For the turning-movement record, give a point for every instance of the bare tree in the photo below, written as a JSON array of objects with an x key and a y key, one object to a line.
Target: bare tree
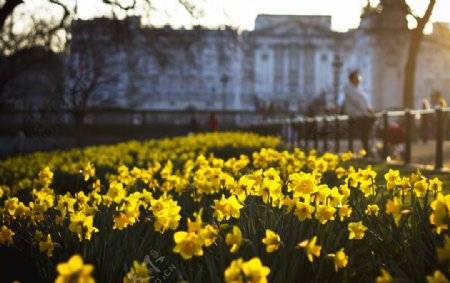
[
  {"x": 414, "y": 46},
  {"x": 7, "y": 8},
  {"x": 88, "y": 70}
]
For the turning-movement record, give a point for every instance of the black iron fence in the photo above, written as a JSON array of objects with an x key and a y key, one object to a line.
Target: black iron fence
[
  {"x": 324, "y": 133},
  {"x": 328, "y": 133}
]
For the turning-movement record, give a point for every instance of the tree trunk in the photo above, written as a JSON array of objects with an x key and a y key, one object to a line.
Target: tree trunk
[
  {"x": 414, "y": 46},
  {"x": 410, "y": 69}
]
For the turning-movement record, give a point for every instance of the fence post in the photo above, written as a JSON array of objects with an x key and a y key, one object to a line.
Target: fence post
[
  {"x": 325, "y": 133},
  {"x": 308, "y": 126},
  {"x": 299, "y": 133},
  {"x": 350, "y": 133},
  {"x": 439, "y": 139},
  {"x": 385, "y": 134},
  {"x": 336, "y": 134},
  {"x": 315, "y": 133},
  {"x": 408, "y": 118}
]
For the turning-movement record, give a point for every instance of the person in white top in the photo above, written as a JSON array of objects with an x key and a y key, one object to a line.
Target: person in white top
[{"x": 358, "y": 108}]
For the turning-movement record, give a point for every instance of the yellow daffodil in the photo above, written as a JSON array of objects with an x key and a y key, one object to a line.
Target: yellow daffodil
[
  {"x": 421, "y": 187},
  {"x": 233, "y": 273},
  {"x": 254, "y": 271},
  {"x": 88, "y": 171},
  {"x": 443, "y": 253},
  {"x": 74, "y": 270},
  {"x": 234, "y": 239},
  {"x": 344, "y": 211},
  {"x": 209, "y": 234},
  {"x": 6, "y": 236},
  {"x": 340, "y": 259},
  {"x": 138, "y": 273},
  {"x": 392, "y": 179},
  {"x": 372, "y": 209},
  {"x": 47, "y": 246},
  {"x": 395, "y": 208},
  {"x": 324, "y": 213},
  {"x": 437, "y": 277},
  {"x": 311, "y": 248},
  {"x": 440, "y": 215},
  {"x": 303, "y": 210},
  {"x": 188, "y": 244},
  {"x": 356, "y": 230},
  {"x": 385, "y": 277},
  {"x": 272, "y": 241}
]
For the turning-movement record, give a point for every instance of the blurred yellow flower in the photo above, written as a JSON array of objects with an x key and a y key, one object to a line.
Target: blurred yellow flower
[
  {"x": 209, "y": 234},
  {"x": 251, "y": 271},
  {"x": 356, "y": 230},
  {"x": 440, "y": 215},
  {"x": 372, "y": 209},
  {"x": 421, "y": 187},
  {"x": 437, "y": 277},
  {"x": 344, "y": 212},
  {"x": 74, "y": 271},
  {"x": 392, "y": 179},
  {"x": 385, "y": 277},
  {"x": 138, "y": 273},
  {"x": 324, "y": 213},
  {"x": 188, "y": 244},
  {"x": 88, "y": 171},
  {"x": 234, "y": 239},
  {"x": 47, "y": 246},
  {"x": 254, "y": 271},
  {"x": 435, "y": 185},
  {"x": 302, "y": 184},
  {"x": 46, "y": 176},
  {"x": 6, "y": 236},
  {"x": 311, "y": 248},
  {"x": 395, "y": 208},
  {"x": 272, "y": 241},
  {"x": 225, "y": 208},
  {"x": 340, "y": 259},
  {"x": 233, "y": 273},
  {"x": 443, "y": 253},
  {"x": 82, "y": 225},
  {"x": 303, "y": 210}
]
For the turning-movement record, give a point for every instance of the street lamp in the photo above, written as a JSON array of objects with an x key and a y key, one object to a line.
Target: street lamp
[{"x": 337, "y": 65}]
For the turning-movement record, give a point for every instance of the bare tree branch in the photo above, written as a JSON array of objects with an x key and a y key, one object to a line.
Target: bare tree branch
[
  {"x": 7, "y": 9},
  {"x": 120, "y": 5},
  {"x": 414, "y": 46}
]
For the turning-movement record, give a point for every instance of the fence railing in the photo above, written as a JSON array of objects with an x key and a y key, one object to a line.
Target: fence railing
[
  {"x": 330, "y": 131},
  {"x": 334, "y": 129}
]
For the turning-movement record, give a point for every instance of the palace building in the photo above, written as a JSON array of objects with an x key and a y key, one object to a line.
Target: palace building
[{"x": 287, "y": 62}]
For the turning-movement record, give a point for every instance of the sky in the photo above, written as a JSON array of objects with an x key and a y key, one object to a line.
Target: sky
[{"x": 242, "y": 13}]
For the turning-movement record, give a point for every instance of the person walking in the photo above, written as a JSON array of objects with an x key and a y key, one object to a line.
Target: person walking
[{"x": 358, "y": 109}]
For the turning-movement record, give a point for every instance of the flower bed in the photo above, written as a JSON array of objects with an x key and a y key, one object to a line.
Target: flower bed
[{"x": 172, "y": 210}]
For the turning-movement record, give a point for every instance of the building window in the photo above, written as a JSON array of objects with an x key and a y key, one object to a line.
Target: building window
[{"x": 278, "y": 70}]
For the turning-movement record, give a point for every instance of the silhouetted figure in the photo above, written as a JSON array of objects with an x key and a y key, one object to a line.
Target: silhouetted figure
[
  {"x": 213, "y": 122},
  {"x": 358, "y": 108}
]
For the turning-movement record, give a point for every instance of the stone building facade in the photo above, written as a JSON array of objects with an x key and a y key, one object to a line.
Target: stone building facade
[{"x": 287, "y": 62}]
